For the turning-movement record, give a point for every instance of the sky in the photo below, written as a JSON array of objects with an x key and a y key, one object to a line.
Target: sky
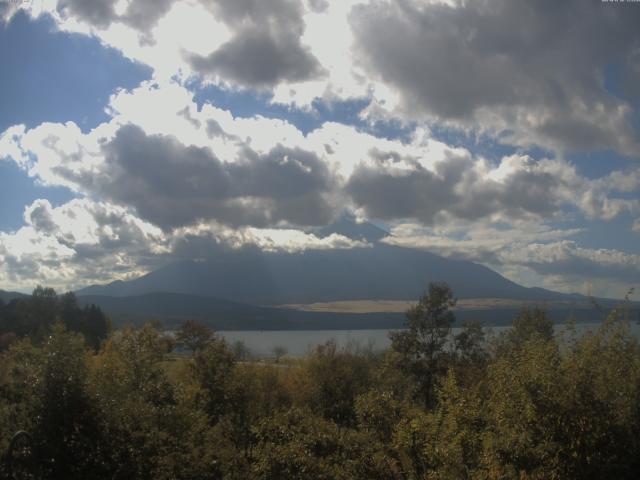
[{"x": 137, "y": 132}]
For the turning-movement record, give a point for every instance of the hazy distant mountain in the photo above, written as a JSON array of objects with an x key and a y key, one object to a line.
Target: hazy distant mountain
[
  {"x": 8, "y": 296},
  {"x": 173, "y": 308},
  {"x": 378, "y": 272}
]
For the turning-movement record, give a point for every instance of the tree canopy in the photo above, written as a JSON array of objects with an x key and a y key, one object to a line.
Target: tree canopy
[
  {"x": 35, "y": 315},
  {"x": 535, "y": 402}
]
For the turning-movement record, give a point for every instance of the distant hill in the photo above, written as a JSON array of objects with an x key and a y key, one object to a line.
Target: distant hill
[
  {"x": 8, "y": 296},
  {"x": 174, "y": 308}
]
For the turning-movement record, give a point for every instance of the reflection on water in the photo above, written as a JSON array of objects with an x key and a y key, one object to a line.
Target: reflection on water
[{"x": 300, "y": 342}]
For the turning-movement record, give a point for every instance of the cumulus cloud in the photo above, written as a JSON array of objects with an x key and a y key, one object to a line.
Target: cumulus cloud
[
  {"x": 319, "y": 6},
  {"x": 483, "y": 242},
  {"x": 536, "y": 69},
  {"x": 175, "y": 185},
  {"x": 163, "y": 173},
  {"x": 139, "y": 14},
  {"x": 466, "y": 188},
  {"x": 79, "y": 242},
  {"x": 248, "y": 43},
  {"x": 178, "y": 165},
  {"x": 288, "y": 240},
  {"x": 83, "y": 242},
  {"x": 533, "y": 73},
  {"x": 266, "y": 47},
  {"x": 476, "y": 66}
]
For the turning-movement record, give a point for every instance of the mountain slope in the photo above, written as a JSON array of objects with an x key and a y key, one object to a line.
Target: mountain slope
[
  {"x": 8, "y": 296},
  {"x": 173, "y": 309},
  {"x": 379, "y": 272}
]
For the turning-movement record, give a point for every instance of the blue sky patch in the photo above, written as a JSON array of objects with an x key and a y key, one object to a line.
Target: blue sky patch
[{"x": 51, "y": 76}]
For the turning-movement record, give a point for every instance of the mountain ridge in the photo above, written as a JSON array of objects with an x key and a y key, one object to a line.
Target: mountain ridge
[
  {"x": 172, "y": 309},
  {"x": 7, "y": 296},
  {"x": 379, "y": 272}
]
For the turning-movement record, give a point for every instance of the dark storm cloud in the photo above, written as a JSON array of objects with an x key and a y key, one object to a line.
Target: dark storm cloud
[
  {"x": 215, "y": 130},
  {"x": 173, "y": 185},
  {"x": 258, "y": 59},
  {"x": 144, "y": 14},
  {"x": 39, "y": 215},
  {"x": 140, "y": 14},
  {"x": 265, "y": 49},
  {"x": 419, "y": 194},
  {"x": 539, "y": 67},
  {"x": 318, "y": 6},
  {"x": 453, "y": 188},
  {"x": 99, "y": 13}
]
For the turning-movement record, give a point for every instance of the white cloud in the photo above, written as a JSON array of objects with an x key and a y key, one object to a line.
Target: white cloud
[
  {"x": 481, "y": 242},
  {"x": 290, "y": 241},
  {"x": 469, "y": 65},
  {"x": 177, "y": 165},
  {"x": 162, "y": 171},
  {"x": 84, "y": 242},
  {"x": 10, "y": 146},
  {"x": 479, "y": 66},
  {"x": 79, "y": 242}
]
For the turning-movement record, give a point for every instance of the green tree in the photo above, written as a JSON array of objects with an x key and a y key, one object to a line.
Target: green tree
[
  {"x": 421, "y": 344},
  {"x": 599, "y": 418},
  {"x": 194, "y": 336},
  {"x": 330, "y": 380},
  {"x": 68, "y": 429},
  {"x": 40, "y": 312},
  {"x": 34, "y": 317},
  {"x": 154, "y": 429},
  {"x": 96, "y": 326},
  {"x": 469, "y": 343},
  {"x": 212, "y": 369},
  {"x": 528, "y": 324},
  {"x": 241, "y": 351},
  {"x": 297, "y": 444},
  {"x": 279, "y": 351},
  {"x": 21, "y": 368}
]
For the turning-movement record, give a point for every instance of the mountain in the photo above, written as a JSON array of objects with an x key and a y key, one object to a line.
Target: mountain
[
  {"x": 6, "y": 297},
  {"x": 379, "y": 271}
]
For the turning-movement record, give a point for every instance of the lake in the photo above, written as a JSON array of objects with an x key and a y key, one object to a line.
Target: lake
[{"x": 299, "y": 342}]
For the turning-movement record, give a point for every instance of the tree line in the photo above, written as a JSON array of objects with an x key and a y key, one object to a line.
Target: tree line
[
  {"x": 529, "y": 403},
  {"x": 34, "y": 316}
]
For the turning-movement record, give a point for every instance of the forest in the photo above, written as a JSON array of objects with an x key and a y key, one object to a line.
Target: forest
[{"x": 533, "y": 402}]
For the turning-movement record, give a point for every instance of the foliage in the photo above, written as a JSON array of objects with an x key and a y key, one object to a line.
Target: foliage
[
  {"x": 528, "y": 404},
  {"x": 195, "y": 336},
  {"x": 35, "y": 316},
  {"x": 278, "y": 352},
  {"x": 421, "y": 344},
  {"x": 329, "y": 381},
  {"x": 213, "y": 368}
]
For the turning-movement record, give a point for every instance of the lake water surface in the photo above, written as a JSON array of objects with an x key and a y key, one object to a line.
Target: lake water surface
[{"x": 299, "y": 342}]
